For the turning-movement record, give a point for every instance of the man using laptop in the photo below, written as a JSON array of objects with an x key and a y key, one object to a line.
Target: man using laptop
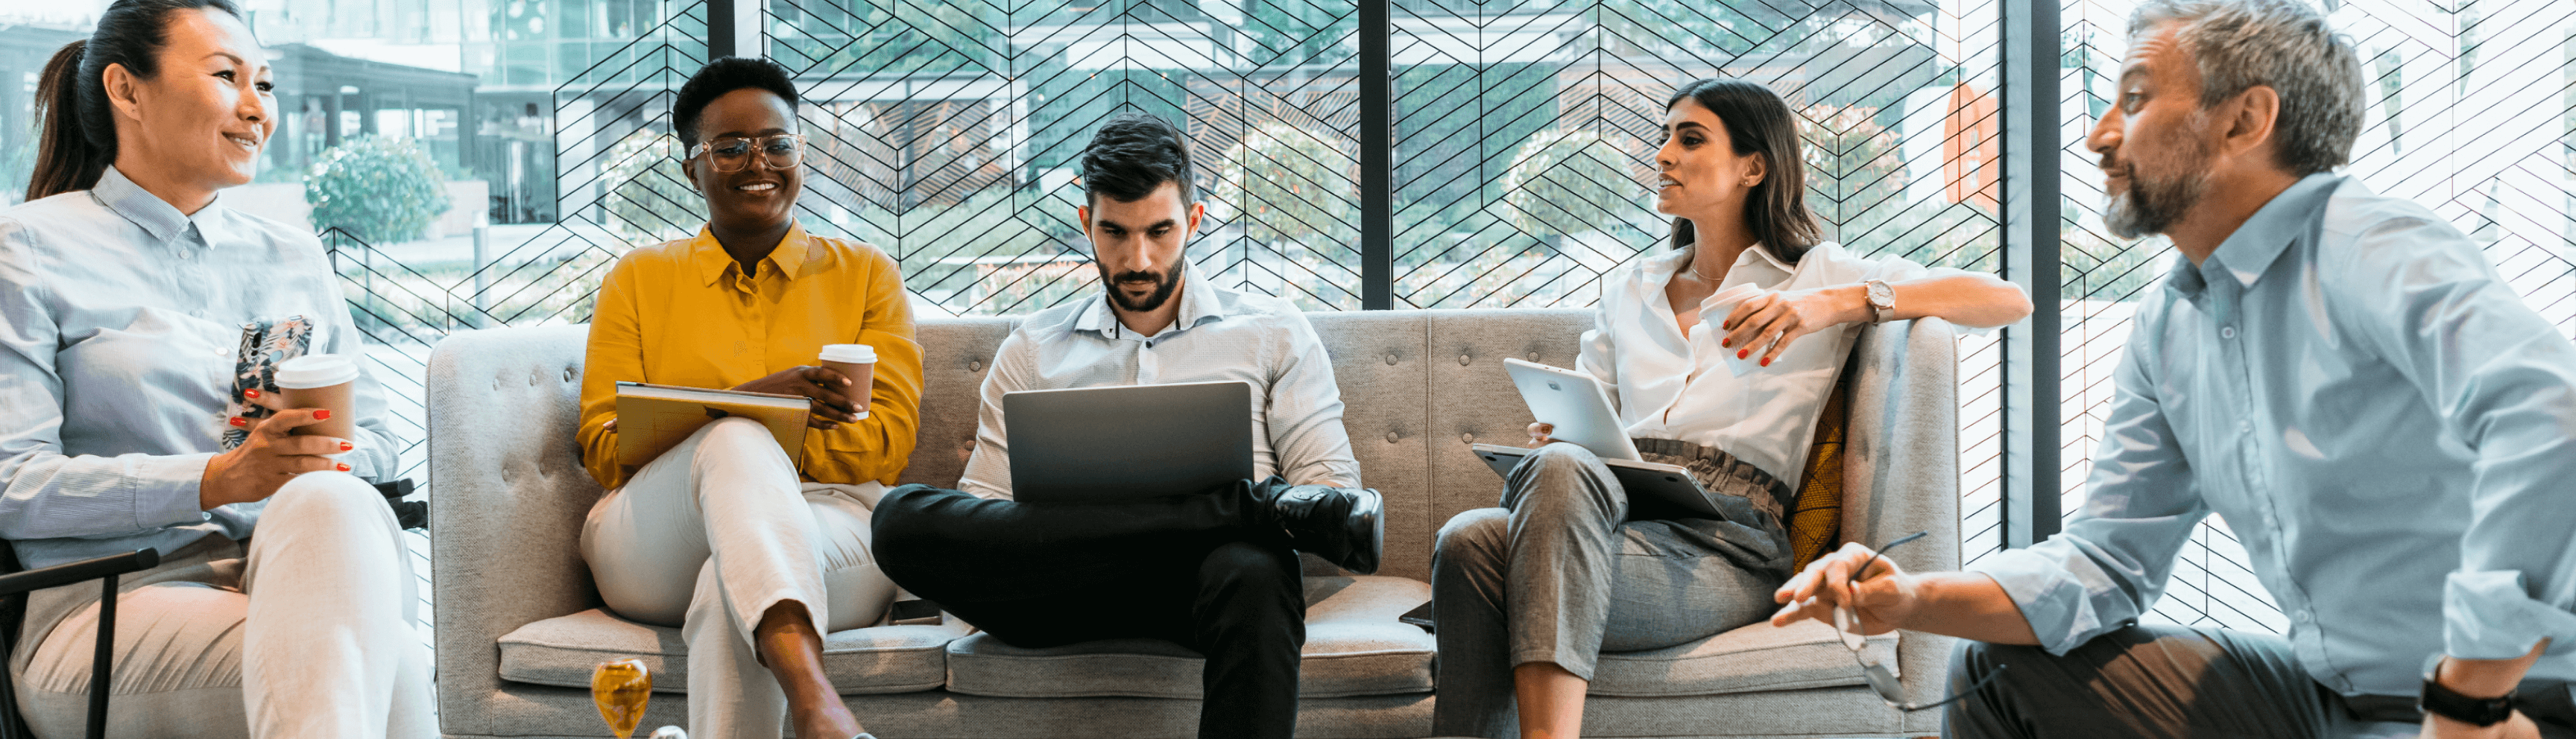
[{"x": 1210, "y": 569}]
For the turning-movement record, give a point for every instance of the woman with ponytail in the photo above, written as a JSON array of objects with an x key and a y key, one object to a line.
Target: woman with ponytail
[{"x": 138, "y": 409}]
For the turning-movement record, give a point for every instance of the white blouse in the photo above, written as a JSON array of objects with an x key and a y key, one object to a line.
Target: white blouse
[{"x": 1674, "y": 386}]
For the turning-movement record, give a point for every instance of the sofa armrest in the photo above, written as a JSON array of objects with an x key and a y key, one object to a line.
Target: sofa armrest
[
  {"x": 510, "y": 495},
  {"x": 1901, "y": 469}
]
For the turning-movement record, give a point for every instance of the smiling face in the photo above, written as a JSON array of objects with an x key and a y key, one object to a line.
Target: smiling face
[
  {"x": 1701, "y": 176},
  {"x": 1138, "y": 245},
  {"x": 756, "y": 198},
  {"x": 2156, "y": 142},
  {"x": 201, "y": 122}
]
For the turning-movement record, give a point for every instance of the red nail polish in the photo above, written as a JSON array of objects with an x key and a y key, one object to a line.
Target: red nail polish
[
  {"x": 237, "y": 421},
  {"x": 343, "y": 467},
  {"x": 1729, "y": 343},
  {"x": 1766, "y": 361},
  {"x": 322, "y": 415},
  {"x": 346, "y": 446},
  {"x": 250, "y": 392},
  {"x": 1747, "y": 352}
]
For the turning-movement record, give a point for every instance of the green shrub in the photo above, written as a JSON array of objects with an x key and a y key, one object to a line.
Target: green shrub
[
  {"x": 649, "y": 197},
  {"x": 378, "y": 189}
]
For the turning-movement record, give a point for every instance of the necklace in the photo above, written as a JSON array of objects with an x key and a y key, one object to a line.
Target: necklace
[{"x": 1703, "y": 276}]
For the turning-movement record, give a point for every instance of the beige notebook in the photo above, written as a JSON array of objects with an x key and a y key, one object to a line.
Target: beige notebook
[{"x": 653, "y": 418}]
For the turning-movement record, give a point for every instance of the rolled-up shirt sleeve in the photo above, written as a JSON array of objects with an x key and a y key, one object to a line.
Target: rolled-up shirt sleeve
[
  {"x": 2109, "y": 565},
  {"x": 44, "y": 493},
  {"x": 2504, "y": 378}
]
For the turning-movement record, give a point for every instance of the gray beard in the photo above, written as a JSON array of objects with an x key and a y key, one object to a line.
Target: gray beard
[{"x": 2151, "y": 206}]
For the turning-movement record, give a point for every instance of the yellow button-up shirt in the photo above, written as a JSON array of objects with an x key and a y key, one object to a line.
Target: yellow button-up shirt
[{"x": 683, "y": 313}]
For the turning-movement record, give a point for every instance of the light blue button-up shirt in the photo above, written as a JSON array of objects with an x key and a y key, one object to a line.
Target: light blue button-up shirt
[
  {"x": 123, "y": 323},
  {"x": 2383, "y": 423}
]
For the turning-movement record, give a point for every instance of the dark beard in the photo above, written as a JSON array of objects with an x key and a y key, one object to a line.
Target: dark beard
[
  {"x": 2153, "y": 205},
  {"x": 1165, "y": 284}
]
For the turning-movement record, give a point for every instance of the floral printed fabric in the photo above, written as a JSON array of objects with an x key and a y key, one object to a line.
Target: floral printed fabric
[{"x": 263, "y": 344}]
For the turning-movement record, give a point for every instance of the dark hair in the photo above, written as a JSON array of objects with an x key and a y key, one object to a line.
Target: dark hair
[
  {"x": 79, "y": 130},
  {"x": 1131, "y": 155},
  {"x": 726, "y": 74},
  {"x": 1758, "y": 122}
]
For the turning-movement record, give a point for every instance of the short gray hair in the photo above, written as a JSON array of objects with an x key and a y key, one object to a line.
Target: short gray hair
[{"x": 2283, "y": 44}]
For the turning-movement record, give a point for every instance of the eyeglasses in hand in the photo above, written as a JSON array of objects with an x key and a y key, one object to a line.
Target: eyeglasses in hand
[{"x": 1847, "y": 625}]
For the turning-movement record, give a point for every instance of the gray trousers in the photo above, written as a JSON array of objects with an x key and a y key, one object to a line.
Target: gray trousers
[
  {"x": 1558, "y": 574},
  {"x": 2179, "y": 681}
]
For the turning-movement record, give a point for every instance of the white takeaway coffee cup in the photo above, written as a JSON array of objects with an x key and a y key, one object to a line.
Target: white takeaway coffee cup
[
  {"x": 325, "y": 382},
  {"x": 1714, "y": 311},
  {"x": 857, "y": 362}
]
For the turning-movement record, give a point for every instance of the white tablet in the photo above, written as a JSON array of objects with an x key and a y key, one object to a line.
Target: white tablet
[{"x": 1576, "y": 404}]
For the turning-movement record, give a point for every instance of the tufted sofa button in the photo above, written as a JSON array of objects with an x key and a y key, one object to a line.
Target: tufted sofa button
[
  {"x": 1391, "y": 437},
  {"x": 974, "y": 365},
  {"x": 1533, "y": 356},
  {"x": 570, "y": 374},
  {"x": 1462, "y": 360},
  {"x": 1390, "y": 360},
  {"x": 1467, "y": 438}
]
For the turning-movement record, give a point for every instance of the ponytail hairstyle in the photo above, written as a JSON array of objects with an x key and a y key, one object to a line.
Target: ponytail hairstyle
[
  {"x": 1759, "y": 123},
  {"x": 79, "y": 129}
]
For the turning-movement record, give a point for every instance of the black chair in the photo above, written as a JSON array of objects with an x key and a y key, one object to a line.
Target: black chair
[{"x": 14, "y": 586}]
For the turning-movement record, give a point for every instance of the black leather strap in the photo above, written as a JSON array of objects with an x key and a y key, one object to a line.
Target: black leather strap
[{"x": 2478, "y": 711}]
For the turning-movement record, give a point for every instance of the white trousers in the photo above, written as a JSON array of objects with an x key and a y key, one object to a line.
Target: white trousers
[
  {"x": 710, "y": 536},
  {"x": 311, "y": 635}
]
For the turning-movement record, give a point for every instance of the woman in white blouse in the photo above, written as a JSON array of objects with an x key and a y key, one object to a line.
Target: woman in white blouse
[
  {"x": 125, "y": 287},
  {"x": 1528, "y": 594}
]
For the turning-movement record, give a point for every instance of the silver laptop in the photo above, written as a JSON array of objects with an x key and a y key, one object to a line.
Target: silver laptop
[{"x": 1098, "y": 444}]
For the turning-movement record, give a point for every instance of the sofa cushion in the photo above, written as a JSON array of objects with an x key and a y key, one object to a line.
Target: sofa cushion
[
  {"x": 879, "y": 659},
  {"x": 1354, "y": 646},
  {"x": 1816, "y": 517},
  {"x": 1806, "y": 654}
]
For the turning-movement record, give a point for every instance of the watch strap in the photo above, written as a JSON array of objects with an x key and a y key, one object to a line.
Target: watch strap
[
  {"x": 2476, "y": 711},
  {"x": 1881, "y": 298}
]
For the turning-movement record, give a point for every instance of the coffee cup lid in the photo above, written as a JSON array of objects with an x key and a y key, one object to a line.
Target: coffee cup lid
[
  {"x": 852, "y": 353},
  {"x": 1739, "y": 292},
  {"x": 315, "y": 370}
]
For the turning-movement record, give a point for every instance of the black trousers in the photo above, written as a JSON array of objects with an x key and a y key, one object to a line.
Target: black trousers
[
  {"x": 1177, "y": 568},
  {"x": 2182, "y": 682}
]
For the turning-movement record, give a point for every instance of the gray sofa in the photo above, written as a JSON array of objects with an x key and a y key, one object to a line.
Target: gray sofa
[{"x": 518, "y": 623}]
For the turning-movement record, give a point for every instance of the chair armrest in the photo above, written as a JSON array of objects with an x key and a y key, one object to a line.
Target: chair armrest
[{"x": 87, "y": 569}]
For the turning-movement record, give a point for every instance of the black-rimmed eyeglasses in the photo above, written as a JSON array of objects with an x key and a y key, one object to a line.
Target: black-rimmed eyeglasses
[{"x": 1847, "y": 625}]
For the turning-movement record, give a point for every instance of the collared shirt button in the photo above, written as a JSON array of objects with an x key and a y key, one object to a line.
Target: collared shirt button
[
  {"x": 2304, "y": 617},
  {"x": 2227, "y": 332}
]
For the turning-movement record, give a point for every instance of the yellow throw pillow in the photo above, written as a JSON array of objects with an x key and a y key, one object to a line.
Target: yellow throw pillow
[{"x": 1815, "y": 523}]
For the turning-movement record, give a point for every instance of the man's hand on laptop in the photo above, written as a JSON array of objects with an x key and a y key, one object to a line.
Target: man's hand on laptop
[
  {"x": 1539, "y": 434},
  {"x": 820, "y": 384}
]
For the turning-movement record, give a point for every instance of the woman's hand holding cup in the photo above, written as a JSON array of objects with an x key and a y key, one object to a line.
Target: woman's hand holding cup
[
  {"x": 272, "y": 455},
  {"x": 857, "y": 366},
  {"x": 826, "y": 388}
]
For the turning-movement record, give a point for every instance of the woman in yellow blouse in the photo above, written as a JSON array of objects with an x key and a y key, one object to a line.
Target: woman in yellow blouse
[{"x": 723, "y": 535}]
